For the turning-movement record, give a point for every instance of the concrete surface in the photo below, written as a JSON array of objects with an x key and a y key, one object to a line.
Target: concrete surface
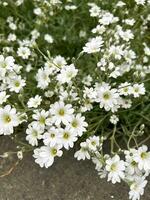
[{"x": 67, "y": 179}]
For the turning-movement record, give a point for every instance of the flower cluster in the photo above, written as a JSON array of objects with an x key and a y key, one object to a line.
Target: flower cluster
[
  {"x": 77, "y": 72},
  {"x": 133, "y": 169},
  {"x": 57, "y": 128}
]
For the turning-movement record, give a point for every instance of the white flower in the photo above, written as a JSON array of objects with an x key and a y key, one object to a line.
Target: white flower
[
  {"x": 67, "y": 73},
  {"x": 6, "y": 64},
  {"x": 41, "y": 117},
  {"x": 93, "y": 45},
  {"x": 3, "y": 97},
  {"x": 37, "y": 11},
  {"x": 48, "y": 38},
  {"x": 54, "y": 2},
  {"x": 126, "y": 103},
  {"x": 93, "y": 142},
  {"x": 70, "y": 7},
  {"x": 64, "y": 95},
  {"x": 34, "y": 133},
  {"x": 147, "y": 50},
  {"x": 142, "y": 157},
  {"x": 51, "y": 137},
  {"x": 49, "y": 93},
  {"x": 131, "y": 164},
  {"x": 35, "y": 34},
  {"x": 116, "y": 51},
  {"x": 24, "y": 52},
  {"x": 11, "y": 37},
  {"x": 102, "y": 64},
  {"x": 61, "y": 112},
  {"x": 78, "y": 124},
  {"x": 8, "y": 120},
  {"x": 129, "y": 56},
  {"x": 142, "y": 2},
  {"x": 34, "y": 102},
  {"x": 114, "y": 119},
  {"x": 90, "y": 93},
  {"x": 97, "y": 161},
  {"x": 120, "y": 4},
  {"x": 19, "y": 2},
  {"x": 138, "y": 89},
  {"x": 82, "y": 34},
  {"x": 59, "y": 61},
  {"x": 107, "y": 18},
  {"x": 94, "y": 11},
  {"x": 116, "y": 168},
  {"x": 86, "y": 106},
  {"x": 116, "y": 73},
  {"x": 42, "y": 77},
  {"x": 126, "y": 35},
  {"x": 107, "y": 97},
  {"x": 83, "y": 153},
  {"x": 130, "y": 22},
  {"x": 125, "y": 89},
  {"x": 99, "y": 29},
  {"x": 12, "y": 26},
  {"x": 137, "y": 188},
  {"x": 16, "y": 84},
  {"x": 29, "y": 67},
  {"x": 67, "y": 138},
  {"x": 20, "y": 155},
  {"x": 45, "y": 155},
  {"x": 87, "y": 80}
]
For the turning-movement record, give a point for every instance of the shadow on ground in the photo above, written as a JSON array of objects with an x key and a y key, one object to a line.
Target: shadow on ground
[{"x": 67, "y": 179}]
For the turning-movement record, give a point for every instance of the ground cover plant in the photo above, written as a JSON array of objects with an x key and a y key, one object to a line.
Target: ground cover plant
[{"x": 78, "y": 73}]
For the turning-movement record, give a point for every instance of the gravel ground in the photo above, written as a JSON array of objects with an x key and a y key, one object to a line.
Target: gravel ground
[{"x": 67, "y": 179}]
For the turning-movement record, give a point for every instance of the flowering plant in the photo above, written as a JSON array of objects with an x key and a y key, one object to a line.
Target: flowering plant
[{"x": 78, "y": 72}]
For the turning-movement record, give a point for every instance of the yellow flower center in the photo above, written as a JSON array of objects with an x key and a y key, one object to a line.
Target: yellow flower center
[
  {"x": 136, "y": 90},
  {"x": 42, "y": 120},
  {"x": 143, "y": 155},
  {"x": 7, "y": 119},
  {"x": 52, "y": 135},
  {"x": 35, "y": 133},
  {"x": 125, "y": 89},
  {"x": 3, "y": 65},
  {"x": 106, "y": 95},
  {"x": 93, "y": 143},
  {"x": 61, "y": 112},
  {"x": 113, "y": 167},
  {"x": 17, "y": 84},
  {"x": 133, "y": 163},
  {"x": 74, "y": 123},
  {"x": 53, "y": 151},
  {"x": 66, "y": 135}
]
